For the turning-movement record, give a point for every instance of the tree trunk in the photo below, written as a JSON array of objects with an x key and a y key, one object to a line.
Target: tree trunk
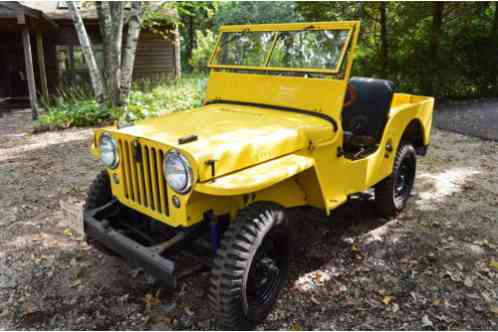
[
  {"x": 437, "y": 24},
  {"x": 191, "y": 37},
  {"x": 493, "y": 70},
  {"x": 86, "y": 47},
  {"x": 384, "y": 46},
  {"x": 104, "y": 16},
  {"x": 134, "y": 26},
  {"x": 178, "y": 64},
  {"x": 117, "y": 13},
  {"x": 494, "y": 31}
]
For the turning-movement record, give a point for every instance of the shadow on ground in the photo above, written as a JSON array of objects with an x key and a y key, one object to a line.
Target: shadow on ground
[{"x": 429, "y": 268}]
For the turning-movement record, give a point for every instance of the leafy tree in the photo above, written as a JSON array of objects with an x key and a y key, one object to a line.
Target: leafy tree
[
  {"x": 194, "y": 15},
  {"x": 206, "y": 42},
  {"x": 253, "y": 12},
  {"x": 445, "y": 49}
]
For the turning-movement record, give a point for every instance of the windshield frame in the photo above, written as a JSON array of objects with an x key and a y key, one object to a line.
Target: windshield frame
[{"x": 278, "y": 28}]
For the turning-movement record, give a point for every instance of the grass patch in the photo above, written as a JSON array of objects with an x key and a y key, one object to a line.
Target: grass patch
[{"x": 77, "y": 108}]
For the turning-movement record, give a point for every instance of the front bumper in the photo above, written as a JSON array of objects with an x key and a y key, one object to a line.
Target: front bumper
[{"x": 98, "y": 229}]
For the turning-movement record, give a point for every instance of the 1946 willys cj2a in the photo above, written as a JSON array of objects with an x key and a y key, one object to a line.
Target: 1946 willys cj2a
[{"x": 283, "y": 125}]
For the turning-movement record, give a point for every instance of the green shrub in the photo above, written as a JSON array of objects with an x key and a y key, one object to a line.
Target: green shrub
[
  {"x": 73, "y": 113},
  {"x": 75, "y": 108},
  {"x": 167, "y": 97},
  {"x": 206, "y": 42}
]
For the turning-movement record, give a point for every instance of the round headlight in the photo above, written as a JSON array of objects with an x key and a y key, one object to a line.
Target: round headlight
[
  {"x": 178, "y": 172},
  {"x": 108, "y": 150}
]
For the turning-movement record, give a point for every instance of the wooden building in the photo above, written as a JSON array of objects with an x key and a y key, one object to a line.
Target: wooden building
[{"x": 39, "y": 51}]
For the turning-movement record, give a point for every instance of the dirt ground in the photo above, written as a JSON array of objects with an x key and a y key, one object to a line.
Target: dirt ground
[{"x": 433, "y": 267}]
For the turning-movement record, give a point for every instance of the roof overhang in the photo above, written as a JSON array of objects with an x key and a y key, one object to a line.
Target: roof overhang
[{"x": 18, "y": 9}]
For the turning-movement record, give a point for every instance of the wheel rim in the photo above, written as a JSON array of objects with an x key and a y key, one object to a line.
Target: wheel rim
[
  {"x": 404, "y": 179},
  {"x": 267, "y": 271}
]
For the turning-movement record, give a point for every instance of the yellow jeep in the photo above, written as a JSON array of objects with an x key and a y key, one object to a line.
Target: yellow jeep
[{"x": 283, "y": 125}]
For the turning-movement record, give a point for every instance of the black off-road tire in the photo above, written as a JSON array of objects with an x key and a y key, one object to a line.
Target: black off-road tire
[
  {"x": 231, "y": 293},
  {"x": 389, "y": 198},
  {"x": 99, "y": 193}
]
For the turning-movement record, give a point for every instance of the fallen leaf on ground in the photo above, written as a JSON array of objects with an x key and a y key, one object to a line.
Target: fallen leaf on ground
[
  {"x": 426, "y": 321},
  {"x": 436, "y": 302},
  {"x": 189, "y": 312},
  {"x": 76, "y": 283},
  {"x": 68, "y": 232},
  {"x": 387, "y": 300},
  {"x": 296, "y": 327},
  {"x": 494, "y": 310},
  {"x": 151, "y": 299},
  {"x": 493, "y": 264}
]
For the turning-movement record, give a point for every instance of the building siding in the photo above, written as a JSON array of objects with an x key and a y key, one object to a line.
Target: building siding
[{"x": 155, "y": 57}]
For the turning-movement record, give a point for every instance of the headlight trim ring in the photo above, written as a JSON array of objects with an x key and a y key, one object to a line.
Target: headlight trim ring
[
  {"x": 173, "y": 153},
  {"x": 114, "y": 150}
]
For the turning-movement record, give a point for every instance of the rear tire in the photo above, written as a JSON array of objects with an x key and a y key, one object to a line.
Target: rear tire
[
  {"x": 392, "y": 193},
  {"x": 251, "y": 267}
]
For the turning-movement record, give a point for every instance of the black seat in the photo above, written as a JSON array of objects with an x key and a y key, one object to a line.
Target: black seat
[{"x": 366, "y": 107}]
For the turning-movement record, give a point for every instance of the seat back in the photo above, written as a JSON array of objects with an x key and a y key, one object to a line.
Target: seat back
[{"x": 368, "y": 108}]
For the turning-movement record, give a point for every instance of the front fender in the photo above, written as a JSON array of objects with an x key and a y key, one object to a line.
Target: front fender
[{"x": 257, "y": 178}]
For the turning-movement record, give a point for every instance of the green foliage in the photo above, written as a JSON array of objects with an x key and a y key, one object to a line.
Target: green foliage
[
  {"x": 156, "y": 17},
  {"x": 246, "y": 12},
  {"x": 74, "y": 113},
  {"x": 194, "y": 15},
  {"x": 206, "y": 41},
  {"x": 465, "y": 65},
  {"x": 202, "y": 16},
  {"x": 167, "y": 97},
  {"x": 75, "y": 108}
]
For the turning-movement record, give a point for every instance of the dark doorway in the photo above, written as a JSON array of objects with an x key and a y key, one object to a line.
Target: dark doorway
[{"x": 12, "y": 75}]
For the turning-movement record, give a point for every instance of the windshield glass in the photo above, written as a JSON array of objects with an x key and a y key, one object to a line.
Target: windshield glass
[
  {"x": 301, "y": 49},
  {"x": 308, "y": 49},
  {"x": 244, "y": 48}
]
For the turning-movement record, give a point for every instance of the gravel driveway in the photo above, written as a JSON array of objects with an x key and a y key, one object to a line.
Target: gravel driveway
[{"x": 433, "y": 267}]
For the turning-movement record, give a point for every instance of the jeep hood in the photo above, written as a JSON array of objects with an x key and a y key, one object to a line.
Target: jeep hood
[{"x": 234, "y": 136}]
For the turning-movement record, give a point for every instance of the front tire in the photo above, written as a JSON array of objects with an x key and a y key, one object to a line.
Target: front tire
[
  {"x": 392, "y": 193},
  {"x": 99, "y": 193},
  {"x": 251, "y": 267}
]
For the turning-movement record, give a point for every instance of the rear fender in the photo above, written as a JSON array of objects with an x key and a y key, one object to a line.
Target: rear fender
[{"x": 380, "y": 164}]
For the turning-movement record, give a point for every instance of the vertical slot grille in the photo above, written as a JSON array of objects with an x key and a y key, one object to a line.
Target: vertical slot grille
[{"x": 143, "y": 180}]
